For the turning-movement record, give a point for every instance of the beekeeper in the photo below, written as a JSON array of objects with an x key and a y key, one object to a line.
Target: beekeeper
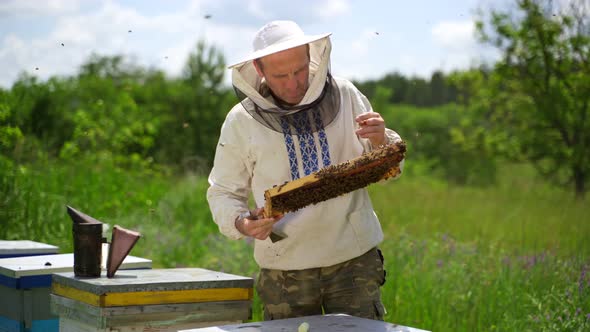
[{"x": 295, "y": 118}]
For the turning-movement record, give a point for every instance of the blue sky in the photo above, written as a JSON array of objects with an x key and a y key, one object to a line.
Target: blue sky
[{"x": 370, "y": 38}]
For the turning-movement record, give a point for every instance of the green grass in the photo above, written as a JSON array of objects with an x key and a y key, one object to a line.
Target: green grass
[
  {"x": 34, "y": 198},
  {"x": 513, "y": 257},
  {"x": 520, "y": 213}
]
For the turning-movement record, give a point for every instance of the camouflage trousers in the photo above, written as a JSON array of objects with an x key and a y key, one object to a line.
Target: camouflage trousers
[{"x": 351, "y": 287}]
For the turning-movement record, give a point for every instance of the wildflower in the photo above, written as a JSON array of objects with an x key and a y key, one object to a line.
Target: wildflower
[{"x": 581, "y": 280}]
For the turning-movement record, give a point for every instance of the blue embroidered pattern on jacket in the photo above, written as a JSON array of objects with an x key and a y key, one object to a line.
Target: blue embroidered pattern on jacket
[
  {"x": 290, "y": 150},
  {"x": 324, "y": 147},
  {"x": 307, "y": 144}
]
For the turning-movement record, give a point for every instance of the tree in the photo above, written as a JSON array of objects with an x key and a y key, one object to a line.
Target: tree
[
  {"x": 545, "y": 48},
  {"x": 10, "y": 134},
  {"x": 198, "y": 104},
  {"x": 438, "y": 89}
]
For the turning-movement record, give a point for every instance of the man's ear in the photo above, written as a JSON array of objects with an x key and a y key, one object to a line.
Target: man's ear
[{"x": 258, "y": 66}]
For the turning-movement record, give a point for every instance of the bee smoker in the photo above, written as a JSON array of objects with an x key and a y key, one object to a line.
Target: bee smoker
[
  {"x": 88, "y": 241},
  {"x": 87, "y": 235}
]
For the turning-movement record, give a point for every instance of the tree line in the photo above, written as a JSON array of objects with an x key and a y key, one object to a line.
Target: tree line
[
  {"x": 532, "y": 105},
  {"x": 117, "y": 110},
  {"x": 113, "y": 108},
  {"x": 417, "y": 91}
]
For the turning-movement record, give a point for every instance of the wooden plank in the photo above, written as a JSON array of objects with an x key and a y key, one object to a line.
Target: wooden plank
[
  {"x": 180, "y": 296},
  {"x": 17, "y": 267},
  {"x": 28, "y": 308},
  {"x": 76, "y": 294},
  {"x": 154, "y": 280},
  {"x": 60, "y": 302},
  {"x": 15, "y": 302},
  {"x": 153, "y": 297},
  {"x": 68, "y": 325},
  {"x": 325, "y": 323},
  {"x": 77, "y": 311},
  {"x": 11, "y": 303},
  {"x": 171, "y": 313}
]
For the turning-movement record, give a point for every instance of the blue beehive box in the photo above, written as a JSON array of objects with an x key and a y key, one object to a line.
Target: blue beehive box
[{"x": 25, "y": 288}]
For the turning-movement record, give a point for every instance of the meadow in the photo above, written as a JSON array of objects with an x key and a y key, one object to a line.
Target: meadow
[
  {"x": 510, "y": 257},
  {"x": 472, "y": 243}
]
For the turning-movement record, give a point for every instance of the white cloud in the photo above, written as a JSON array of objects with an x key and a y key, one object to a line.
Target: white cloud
[
  {"x": 459, "y": 48},
  {"x": 161, "y": 41},
  {"x": 163, "y": 38},
  {"x": 257, "y": 9},
  {"x": 455, "y": 36},
  {"x": 12, "y": 47},
  {"x": 333, "y": 8},
  {"x": 28, "y": 8},
  {"x": 40, "y": 57}
]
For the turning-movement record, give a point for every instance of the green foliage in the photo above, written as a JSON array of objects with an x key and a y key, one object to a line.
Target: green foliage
[
  {"x": 545, "y": 48},
  {"x": 186, "y": 235},
  {"x": 412, "y": 91},
  {"x": 512, "y": 257},
  {"x": 521, "y": 212},
  {"x": 454, "y": 141},
  {"x": 111, "y": 117},
  {"x": 475, "y": 259},
  {"x": 199, "y": 104},
  {"x": 507, "y": 252},
  {"x": 440, "y": 284},
  {"x": 446, "y": 141},
  {"x": 34, "y": 197},
  {"x": 10, "y": 135},
  {"x": 118, "y": 111},
  {"x": 562, "y": 308}
]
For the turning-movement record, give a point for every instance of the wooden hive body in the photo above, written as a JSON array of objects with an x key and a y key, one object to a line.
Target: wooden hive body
[
  {"x": 27, "y": 281},
  {"x": 151, "y": 300}
]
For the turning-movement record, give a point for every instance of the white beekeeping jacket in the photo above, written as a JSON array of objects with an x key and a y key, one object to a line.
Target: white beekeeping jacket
[{"x": 251, "y": 158}]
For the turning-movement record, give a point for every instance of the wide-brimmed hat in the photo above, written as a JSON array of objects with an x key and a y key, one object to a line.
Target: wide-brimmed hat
[{"x": 278, "y": 36}]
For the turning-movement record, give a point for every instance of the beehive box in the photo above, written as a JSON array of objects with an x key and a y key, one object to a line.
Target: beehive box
[
  {"x": 19, "y": 248},
  {"x": 151, "y": 300},
  {"x": 25, "y": 287},
  {"x": 323, "y": 323}
]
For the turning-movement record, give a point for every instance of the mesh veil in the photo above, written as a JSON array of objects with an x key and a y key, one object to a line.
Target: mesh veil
[{"x": 319, "y": 106}]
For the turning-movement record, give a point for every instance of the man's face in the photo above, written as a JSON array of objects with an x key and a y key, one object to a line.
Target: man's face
[{"x": 287, "y": 73}]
